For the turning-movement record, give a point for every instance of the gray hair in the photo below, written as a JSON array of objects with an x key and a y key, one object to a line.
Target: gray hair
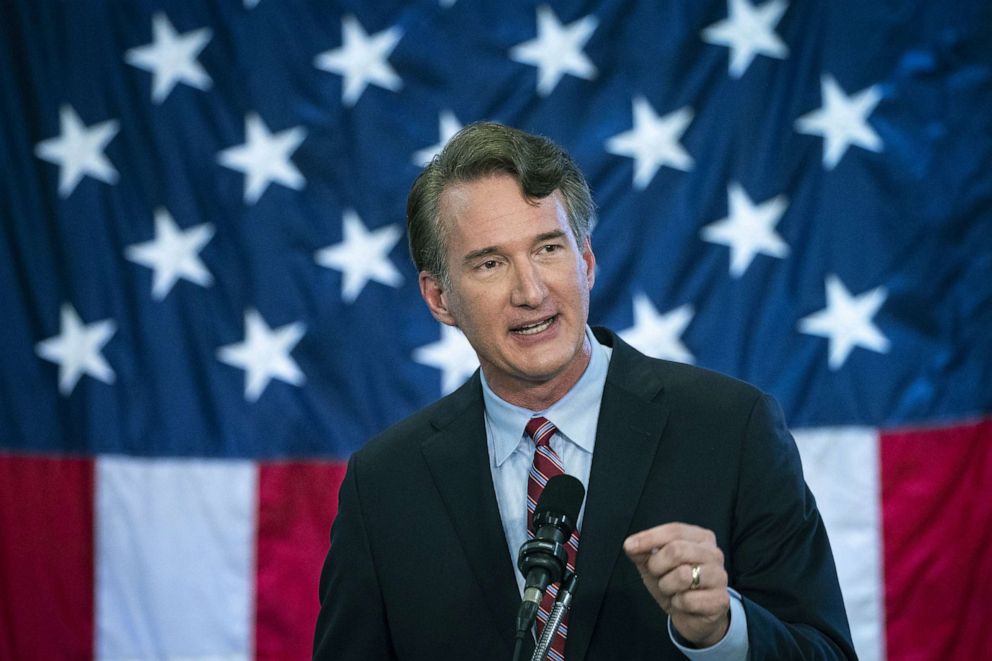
[{"x": 480, "y": 150}]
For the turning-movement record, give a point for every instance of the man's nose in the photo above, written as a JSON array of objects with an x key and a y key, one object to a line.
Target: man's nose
[{"x": 528, "y": 286}]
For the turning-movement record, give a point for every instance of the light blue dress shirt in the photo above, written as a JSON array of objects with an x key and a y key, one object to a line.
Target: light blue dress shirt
[{"x": 575, "y": 415}]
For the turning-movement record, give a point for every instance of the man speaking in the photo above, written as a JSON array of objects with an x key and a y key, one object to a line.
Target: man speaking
[{"x": 698, "y": 537}]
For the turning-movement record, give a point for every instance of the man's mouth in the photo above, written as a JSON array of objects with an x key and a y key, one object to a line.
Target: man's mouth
[{"x": 534, "y": 329}]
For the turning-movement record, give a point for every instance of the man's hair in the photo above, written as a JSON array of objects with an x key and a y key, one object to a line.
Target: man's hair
[{"x": 482, "y": 150}]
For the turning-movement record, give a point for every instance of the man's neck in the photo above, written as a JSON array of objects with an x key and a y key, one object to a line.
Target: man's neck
[{"x": 540, "y": 396}]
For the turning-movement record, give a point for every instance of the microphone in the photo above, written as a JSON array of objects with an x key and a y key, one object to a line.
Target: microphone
[{"x": 542, "y": 560}]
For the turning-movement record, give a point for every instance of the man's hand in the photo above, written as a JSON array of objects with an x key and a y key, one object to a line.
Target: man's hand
[{"x": 682, "y": 568}]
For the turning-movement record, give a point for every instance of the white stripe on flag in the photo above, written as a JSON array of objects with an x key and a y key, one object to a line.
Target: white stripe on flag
[
  {"x": 174, "y": 558},
  {"x": 842, "y": 470}
]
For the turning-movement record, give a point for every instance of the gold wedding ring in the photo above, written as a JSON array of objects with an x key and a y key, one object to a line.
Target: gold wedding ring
[{"x": 694, "y": 585}]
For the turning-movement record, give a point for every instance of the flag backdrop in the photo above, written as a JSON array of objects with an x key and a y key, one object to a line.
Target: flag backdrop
[{"x": 207, "y": 303}]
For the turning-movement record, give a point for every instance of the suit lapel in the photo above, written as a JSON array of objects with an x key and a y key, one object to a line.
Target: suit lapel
[
  {"x": 458, "y": 460},
  {"x": 631, "y": 419}
]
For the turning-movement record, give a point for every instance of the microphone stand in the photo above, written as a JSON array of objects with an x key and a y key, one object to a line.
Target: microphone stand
[{"x": 562, "y": 603}]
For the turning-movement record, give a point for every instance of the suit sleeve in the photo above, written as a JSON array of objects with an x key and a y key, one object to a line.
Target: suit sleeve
[
  {"x": 352, "y": 622},
  {"x": 782, "y": 563}
]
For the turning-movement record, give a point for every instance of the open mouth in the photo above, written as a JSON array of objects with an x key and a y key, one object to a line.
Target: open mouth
[{"x": 534, "y": 329}]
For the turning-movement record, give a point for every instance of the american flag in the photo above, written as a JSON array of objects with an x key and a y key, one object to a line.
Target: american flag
[{"x": 208, "y": 305}]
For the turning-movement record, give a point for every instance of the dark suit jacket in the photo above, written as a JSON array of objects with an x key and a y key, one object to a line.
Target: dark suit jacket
[{"x": 418, "y": 566}]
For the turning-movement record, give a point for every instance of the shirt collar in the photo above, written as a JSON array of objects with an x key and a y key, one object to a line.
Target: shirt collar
[{"x": 575, "y": 415}]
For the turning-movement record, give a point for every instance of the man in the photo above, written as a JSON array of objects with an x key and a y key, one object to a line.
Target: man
[{"x": 698, "y": 536}]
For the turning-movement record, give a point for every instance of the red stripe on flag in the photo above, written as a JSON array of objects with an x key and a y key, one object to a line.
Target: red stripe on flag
[
  {"x": 297, "y": 502},
  {"x": 937, "y": 526},
  {"x": 46, "y": 558}
]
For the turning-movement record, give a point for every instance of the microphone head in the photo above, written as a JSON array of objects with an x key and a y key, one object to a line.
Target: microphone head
[{"x": 562, "y": 497}]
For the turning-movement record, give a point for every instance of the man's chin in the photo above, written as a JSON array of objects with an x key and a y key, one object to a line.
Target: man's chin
[
  {"x": 542, "y": 369},
  {"x": 523, "y": 373}
]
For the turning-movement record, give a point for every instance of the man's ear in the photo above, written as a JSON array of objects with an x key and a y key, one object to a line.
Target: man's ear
[
  {"x": 589, "y": 259},
  {"x": 436, "y": 298}
]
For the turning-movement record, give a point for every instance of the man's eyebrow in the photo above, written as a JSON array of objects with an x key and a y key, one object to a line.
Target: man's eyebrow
[
  {"x": 481, "y": 252},
  {"x": 550, "y": 236}
]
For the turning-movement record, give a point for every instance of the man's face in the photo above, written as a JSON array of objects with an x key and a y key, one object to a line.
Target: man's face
[{"x": 519, "y": 287}]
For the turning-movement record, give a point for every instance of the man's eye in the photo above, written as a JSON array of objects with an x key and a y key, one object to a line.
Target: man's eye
[
  {"x": 550, "y": 248},
  {"x": 488, "y": 265}
]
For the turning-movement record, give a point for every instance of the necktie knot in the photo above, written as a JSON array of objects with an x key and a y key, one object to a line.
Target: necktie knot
[{"x": 540, "y": 430}]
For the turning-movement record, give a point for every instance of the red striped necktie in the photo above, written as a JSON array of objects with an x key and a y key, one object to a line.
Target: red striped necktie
[{"x": 547, "y": 465}]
